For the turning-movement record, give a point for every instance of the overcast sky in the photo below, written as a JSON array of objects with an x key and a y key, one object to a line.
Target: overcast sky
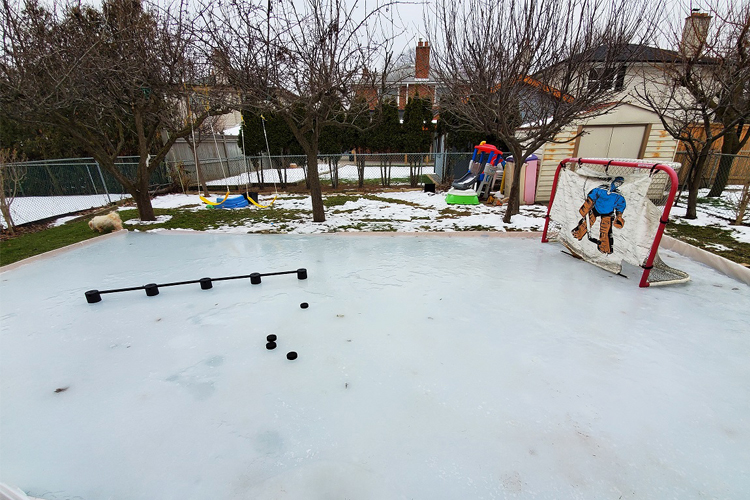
[{"x": 405, "y": 18}]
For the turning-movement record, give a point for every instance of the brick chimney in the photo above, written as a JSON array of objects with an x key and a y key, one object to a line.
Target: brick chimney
[
  {"x": 694, "y": 33},
  {"x": 422, "y": 66}
]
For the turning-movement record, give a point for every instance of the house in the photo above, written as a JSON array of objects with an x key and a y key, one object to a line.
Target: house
[
  {"x": 406, "y": 82},
  {"x": 629, "y": 130},
  {"x": 420, "y": 82}
]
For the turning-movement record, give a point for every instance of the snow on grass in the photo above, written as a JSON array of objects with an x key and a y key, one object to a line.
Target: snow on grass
[
  {"x": 175, "y": 201},
  {"x": 741, "y": 233},
  {"x": 724, "y": 207},
  {"x": 401, "y": 211},
  {"x": 408, "y": 210},
  {"x": 138, "y": 222},
  {"x": 63, "y": 220},
  {"x": 716, "y": 212},
  {"x": 718, "y": 247}
]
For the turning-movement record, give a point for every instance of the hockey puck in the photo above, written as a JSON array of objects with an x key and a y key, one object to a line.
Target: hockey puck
[
  {"x": 271, "y": 338},
  {"x": 271, "y": 345},
  {"x": 304, "y": 305},
  {"x": 291, "y": 355}
]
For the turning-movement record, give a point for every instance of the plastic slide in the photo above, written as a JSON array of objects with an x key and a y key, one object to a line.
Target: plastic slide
[
  {"x": 483, "y": 153},
  {"x": 468, "y": 179}
]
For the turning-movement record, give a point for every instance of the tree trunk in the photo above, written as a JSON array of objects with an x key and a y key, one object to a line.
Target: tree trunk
[
  {"x": 282, "y": 164},
  {"x": 7, "y": 178},
  {"x": 5, "y": 209},
  {"x": 143, "y": 203},
  {"x": 513, "y": 206},
  {"x": 53, "y": 179},
  {"x": 742, "y": 205},
  {"x": 315, "y": 190},
  {"x": 140, "y": 191},
  {"x": 729, "y": 148},
  {"x": 695, "y": 184}
]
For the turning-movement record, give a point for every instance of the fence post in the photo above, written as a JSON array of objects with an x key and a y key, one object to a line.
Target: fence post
[
  {"x": 101, "y": 176},
  {"x": 88, "y": 171}
]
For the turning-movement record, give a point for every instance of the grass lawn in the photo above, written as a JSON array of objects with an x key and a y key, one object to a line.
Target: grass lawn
[{"x": 30, "y": 243}]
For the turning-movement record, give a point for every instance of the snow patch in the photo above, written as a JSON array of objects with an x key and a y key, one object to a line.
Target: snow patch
[{"x": 159, "y": 220}]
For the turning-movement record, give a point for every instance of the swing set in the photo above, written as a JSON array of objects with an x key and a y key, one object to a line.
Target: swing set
[{"x": 242, "y": 200}]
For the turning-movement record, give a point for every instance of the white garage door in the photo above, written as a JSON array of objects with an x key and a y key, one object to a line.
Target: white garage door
[{"x": 620, "y": 141}]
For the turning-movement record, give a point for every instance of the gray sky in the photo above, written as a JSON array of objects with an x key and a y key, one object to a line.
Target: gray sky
[{"x": 405, "y": 18}]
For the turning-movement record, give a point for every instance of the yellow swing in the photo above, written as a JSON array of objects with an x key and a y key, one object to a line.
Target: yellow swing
[{"x": 209, "y": 202}]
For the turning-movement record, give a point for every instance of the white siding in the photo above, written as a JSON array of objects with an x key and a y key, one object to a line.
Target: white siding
[
  {"x": 552, "y": 155},
  {"x": 660, "y": 145}
]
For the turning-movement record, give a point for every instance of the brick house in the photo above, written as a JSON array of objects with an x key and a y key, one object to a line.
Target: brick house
[{"x": 406, "y": 82}]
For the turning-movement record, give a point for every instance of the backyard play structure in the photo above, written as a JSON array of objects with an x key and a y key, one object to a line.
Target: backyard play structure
[
  {"x": 607, "y": 211},
  {"x": 486, "y": 168},
  {"x": 483, "y": 169}
]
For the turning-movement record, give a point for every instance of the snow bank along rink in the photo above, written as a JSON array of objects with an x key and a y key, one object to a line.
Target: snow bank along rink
[{"x": 430, "y": 366}]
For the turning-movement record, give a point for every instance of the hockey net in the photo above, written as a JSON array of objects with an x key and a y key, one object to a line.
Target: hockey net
[{"x": 608, "y": 211}]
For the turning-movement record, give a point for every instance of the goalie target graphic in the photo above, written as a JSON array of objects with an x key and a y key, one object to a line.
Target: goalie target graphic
[{"x": 606, "y": 203}]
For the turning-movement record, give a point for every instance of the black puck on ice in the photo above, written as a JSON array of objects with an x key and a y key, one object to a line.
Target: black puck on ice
[
  {"x": 304, "y": 305},
  {"x": 271, "y": 338},
  {"x": 291, "y": 355},
  {"x": 271, "y": 345}
]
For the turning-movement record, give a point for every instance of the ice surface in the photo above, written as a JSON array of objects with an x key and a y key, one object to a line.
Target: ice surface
[{"x": 432, "y": 367}]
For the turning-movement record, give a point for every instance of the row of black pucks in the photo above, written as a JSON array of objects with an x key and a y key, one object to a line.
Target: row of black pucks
[{"x": 152, "y": 289}]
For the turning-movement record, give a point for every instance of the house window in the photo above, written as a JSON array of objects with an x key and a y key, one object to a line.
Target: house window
[{"x": 607, "y": 78}]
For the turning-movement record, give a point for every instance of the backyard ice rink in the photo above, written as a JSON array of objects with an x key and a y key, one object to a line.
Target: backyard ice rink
[{"x": 433, "y": 366}]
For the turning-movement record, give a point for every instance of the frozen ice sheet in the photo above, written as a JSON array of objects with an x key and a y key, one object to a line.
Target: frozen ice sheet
[{"x": 434, "y": 367}]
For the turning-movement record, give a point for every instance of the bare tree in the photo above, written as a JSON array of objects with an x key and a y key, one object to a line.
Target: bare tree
[
  {"x": 11, "y": 175},
  {"x": 732, "y": 106},
  {"x": 742, "y": 203},
  {"x": 704, "y": 94},
  {"x": 519, "y": 70},
  {"x": 300, "y": 61},
  {"x": 111, "y": 78}
]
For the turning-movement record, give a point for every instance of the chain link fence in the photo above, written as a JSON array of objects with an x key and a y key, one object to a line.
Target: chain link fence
[
  {"x": 341, "y": 171},
  {"x": 41, "y": 190},
  {"x": 734, "y": 172}
]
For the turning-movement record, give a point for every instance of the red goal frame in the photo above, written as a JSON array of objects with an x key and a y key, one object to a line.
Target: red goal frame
[{"x": 648, "y": 265}]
